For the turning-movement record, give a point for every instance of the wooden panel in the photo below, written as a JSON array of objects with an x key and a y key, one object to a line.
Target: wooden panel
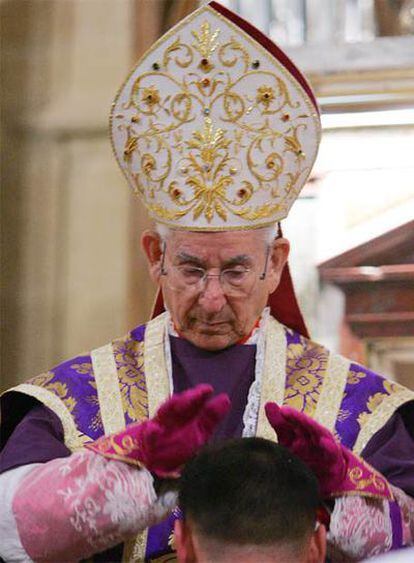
[
  {"x": 65, "y": 212},
  {"x": 393, "y": 247},
  {"x": 379, "y": 297},
  {"x": 378, "y": 281},
  {"x": 380, "y": 308}
]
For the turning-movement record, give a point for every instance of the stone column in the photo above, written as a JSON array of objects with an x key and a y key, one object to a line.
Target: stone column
[{"x": 66, "y": 206}]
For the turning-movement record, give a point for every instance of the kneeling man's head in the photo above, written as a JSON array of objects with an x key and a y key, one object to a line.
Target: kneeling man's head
[{"x": 248, "y": 500}]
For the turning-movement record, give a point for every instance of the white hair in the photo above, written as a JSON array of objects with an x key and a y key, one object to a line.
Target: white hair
[
  {"x": 163, "y": 231},
  {"x": 269, "y": 233}
]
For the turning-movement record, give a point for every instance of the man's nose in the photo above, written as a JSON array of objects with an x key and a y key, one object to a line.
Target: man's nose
[{"x": 212, "y": 298}]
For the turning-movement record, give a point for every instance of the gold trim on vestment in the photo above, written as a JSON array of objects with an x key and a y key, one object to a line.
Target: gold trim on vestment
[
  {"x": 134, "y": 550},
  {"x": 158, "y": 390},
  {"x": 107, "y": 386},
  {"x": 74, "y": 439},
  {"x": 112, "y": 412},
  {"x": 274, "y": 375},
  {"x": 333, "y": 387},
  {"x": 377, "y": 419},
  {"x": 156, "y": 374}
]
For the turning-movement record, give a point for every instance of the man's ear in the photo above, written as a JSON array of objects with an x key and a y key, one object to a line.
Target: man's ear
[
  {"x": 277, "y": 259},
  {"x": 184, "y": 542},
  {"x": 317, "y": 546},
  {"x": 152, "y": 246}
]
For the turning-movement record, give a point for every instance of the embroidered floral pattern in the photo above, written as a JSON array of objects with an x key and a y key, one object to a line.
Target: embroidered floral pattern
[
  {"x": 42, "y": 379},
  {"x": 96, "y": 420},
  {"x": 306, "y": 365},
  {"x": 60, "y": 389},
  {"x": 211, "y": 129},
  {"x": 375, "y": 400},
  {"x": 129, "y": 358},
  {"x": 85, "y": 368},
  {"x": 355, "y": 377},
  {"x": 86, "y": 504},
  {"x": 265, "y": 96},
  {"x": 359, "y": 529}
]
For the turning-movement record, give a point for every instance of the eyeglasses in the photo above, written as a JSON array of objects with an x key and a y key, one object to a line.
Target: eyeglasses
[{"x": 236, "y": 281}]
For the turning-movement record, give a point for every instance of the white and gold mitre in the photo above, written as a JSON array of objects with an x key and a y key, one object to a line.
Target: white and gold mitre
[{"x": 215, "y": 128}]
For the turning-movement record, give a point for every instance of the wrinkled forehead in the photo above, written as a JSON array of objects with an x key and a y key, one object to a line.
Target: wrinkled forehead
[{"x": 218, "y": 246}]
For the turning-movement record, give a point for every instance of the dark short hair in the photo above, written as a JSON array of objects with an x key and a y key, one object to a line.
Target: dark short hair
[{"x": 249, "y": 491}]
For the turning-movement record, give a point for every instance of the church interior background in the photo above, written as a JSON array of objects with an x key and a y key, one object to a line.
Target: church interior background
[{"x": 73, "y": 276}]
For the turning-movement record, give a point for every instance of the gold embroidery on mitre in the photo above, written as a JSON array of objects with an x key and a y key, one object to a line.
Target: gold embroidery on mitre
[{"x": 211, "y": 130}]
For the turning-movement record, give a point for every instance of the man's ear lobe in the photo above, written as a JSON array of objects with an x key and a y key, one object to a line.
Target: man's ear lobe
[
  {"x": 184, "y": 542},
  {"x": 152, "y": 246},
  {"x": 317, "y": 547},
  {"x": 179, "y": 539}
]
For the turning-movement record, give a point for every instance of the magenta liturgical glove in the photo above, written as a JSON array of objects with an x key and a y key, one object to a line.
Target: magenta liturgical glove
[
  {"x": 164, "y": 443},
  {"x": 338, "y": 470}
]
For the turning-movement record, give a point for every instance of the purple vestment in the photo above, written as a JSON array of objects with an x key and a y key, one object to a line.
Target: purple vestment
[{"x": 32, "y": 433}]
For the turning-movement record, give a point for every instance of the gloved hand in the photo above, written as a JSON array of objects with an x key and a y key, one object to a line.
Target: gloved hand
[
  {"x": 338, "y": 470},
  {"x": 164, "y": 443}
]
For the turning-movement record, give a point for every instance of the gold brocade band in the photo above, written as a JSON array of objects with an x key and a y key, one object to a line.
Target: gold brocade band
[
  {"x": 274, "y": 375},
  {"x": 158, "y": 389},
  {"x": 107, "y": 386},
  {"x": 380, "y": 416},
  {"x": 134, "y": 550},
  {"x": 74, "y": 439},
  {"x": 110, "y": 404},
  {"x": 332, "y": 391}
]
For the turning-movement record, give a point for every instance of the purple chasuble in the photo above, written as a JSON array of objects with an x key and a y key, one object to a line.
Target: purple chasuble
[
  {"x": 228, "y": 371},
  {"x": 36, "y": 439},
  {"x": 31, "y": 433}
]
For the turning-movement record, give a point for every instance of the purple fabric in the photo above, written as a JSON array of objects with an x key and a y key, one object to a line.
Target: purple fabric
[
  {"x": 77, "y": 387},
  {"x": 39, "y": 435},
  {"x": 361, "y": 386},
  {"x": 138, "y": 333},
  {"x": 228, "y": 371},
  {"x": 293, "y": 337},
  {"x": 78, "y": 390},
  {"x": 396, "y": 523},
  {"x": 36, "y": 439},
  {"x": 158, "y": 542},
  {"x": 391, "y": 449}
]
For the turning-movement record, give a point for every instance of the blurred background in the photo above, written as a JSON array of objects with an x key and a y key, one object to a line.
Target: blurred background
[{"x": 73, "y": 276}]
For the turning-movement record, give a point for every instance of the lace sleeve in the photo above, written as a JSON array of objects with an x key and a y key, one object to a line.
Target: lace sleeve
[
  {"x": 361, "y": 527},
  {"x": 69, "y": 509}
]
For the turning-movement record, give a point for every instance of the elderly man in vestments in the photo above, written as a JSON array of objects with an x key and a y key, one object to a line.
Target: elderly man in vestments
[{"x": 216, "y": 130}]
